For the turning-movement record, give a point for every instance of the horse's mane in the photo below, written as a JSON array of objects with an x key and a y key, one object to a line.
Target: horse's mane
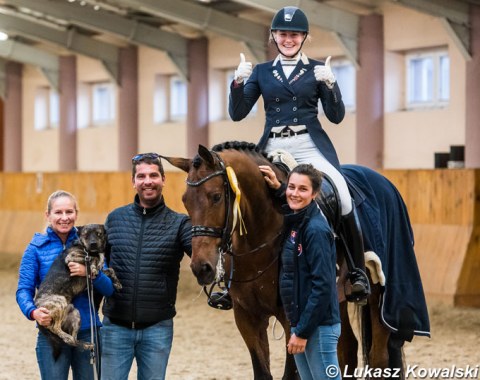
[
  {"x": 240, "y": 145},
  {"x": 245, "y": 146}
]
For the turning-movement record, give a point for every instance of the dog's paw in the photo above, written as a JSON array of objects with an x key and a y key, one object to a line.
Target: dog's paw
[{"x": 87, "y": 346}]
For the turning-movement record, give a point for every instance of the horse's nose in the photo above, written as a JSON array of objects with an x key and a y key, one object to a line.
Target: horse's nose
[{"x": 204, "y": 272}]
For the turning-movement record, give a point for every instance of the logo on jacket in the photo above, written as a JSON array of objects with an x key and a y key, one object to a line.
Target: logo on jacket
[
  {"x": 293, "y": 236},
  {"x": 296, "y": 77},
  {"x": 277, "y": 75}
]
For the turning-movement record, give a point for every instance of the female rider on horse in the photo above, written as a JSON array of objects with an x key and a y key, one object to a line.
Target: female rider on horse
[{"x": 291, "y": 86}]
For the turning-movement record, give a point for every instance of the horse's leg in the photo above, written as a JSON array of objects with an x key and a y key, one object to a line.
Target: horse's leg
[
  {"x": 378, "y": 354},
  {"x": 290, "y": 371},
  {"x": 253, "y": 328},
  {"x": 347, "y": 344},
  {"x": 395, "y": 356}
]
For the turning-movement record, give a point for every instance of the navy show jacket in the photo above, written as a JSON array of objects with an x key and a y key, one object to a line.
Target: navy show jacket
[{"x": 292, "y": 101}]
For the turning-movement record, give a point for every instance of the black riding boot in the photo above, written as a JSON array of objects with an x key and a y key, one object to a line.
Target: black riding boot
[{"x": 356, "y": 261}]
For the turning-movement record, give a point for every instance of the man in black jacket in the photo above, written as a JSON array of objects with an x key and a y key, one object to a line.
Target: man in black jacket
[{"x": 146, "y": 242}]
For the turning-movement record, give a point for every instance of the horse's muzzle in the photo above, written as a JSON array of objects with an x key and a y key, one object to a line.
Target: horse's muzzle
[{"x": 204, "y": 272}]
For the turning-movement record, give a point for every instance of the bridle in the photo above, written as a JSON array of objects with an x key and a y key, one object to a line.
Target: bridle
[
  {"x": 216, "y": 232},
  {"x": 226, "y": 239}
]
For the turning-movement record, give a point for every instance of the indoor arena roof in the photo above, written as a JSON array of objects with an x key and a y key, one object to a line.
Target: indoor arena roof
[{"x": 41, "y": 30}]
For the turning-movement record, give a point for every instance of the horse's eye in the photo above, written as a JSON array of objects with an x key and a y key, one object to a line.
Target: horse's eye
[{"x": 216, "y": 197}]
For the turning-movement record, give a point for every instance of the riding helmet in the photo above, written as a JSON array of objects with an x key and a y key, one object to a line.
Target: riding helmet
[{"x": 290, "y": 19}]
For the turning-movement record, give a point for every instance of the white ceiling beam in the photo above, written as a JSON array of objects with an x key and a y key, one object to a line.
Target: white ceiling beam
[
  {"x": 344, "y": 25},
  {"x": 460, "y": 36},
  {"x": 349, "y": 47},
  {"x": 132, "y": 31},
  {"x": 318, "y": 14},
  {"x": 46, "y": 62},
  {"x": 207, "y": 19},
  {"x": 68, "y": 39},
  {"x": 454, "y": 16}
]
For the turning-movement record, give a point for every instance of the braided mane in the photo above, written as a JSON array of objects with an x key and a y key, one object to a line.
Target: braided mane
[
  {"x": 235, "y": 145},
  {"x": 239, "y": 145}
]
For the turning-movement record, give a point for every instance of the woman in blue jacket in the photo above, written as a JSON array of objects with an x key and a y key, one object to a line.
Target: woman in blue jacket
[
  {"x": 39, "y": 255},
  {"x": 292, "y": 86},
  {"x": 308, "y": 276}
]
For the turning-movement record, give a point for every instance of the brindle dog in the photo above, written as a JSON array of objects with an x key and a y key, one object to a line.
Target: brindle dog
[{"x": 58, "y": 289}]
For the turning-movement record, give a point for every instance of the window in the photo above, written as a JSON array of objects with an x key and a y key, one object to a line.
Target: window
[
  {"x": 96, "y": 104},
  {"x": 169, "y": 99},
  {"x": 46, "y": 109},
  {"x": 345, "y": 75},
  {"x": 178, "y": 98},
  {"x": 103, "y": 106},
  {"x": 160, "y": 100},
  {"x": 428, "y": 79},
  {"x": 54, "y": 109}
]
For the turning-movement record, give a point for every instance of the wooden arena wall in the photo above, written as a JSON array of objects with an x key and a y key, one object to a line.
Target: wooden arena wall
[{"x": 444, "y": 208}]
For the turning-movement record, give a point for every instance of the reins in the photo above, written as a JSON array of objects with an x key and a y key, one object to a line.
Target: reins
[
  {"x": 256, "y": 249},
  {"x": 91, "y": 309}
]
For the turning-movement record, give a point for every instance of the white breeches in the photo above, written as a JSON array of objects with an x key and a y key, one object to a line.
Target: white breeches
[{"x": 304, "y": 150}]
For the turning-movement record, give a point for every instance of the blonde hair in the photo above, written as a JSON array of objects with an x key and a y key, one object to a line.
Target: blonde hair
[{"x": 58, "y": 194}]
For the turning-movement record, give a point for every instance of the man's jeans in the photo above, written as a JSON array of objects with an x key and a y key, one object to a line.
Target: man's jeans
[
  {"x": 320, "y": 361},
  {"x": 75, "y": 357},
  {"x": 150, "y": 347}
]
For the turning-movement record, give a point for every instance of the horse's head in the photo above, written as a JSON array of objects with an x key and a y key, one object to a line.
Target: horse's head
[
  {"x": 216, "y": 205},
  {"x": 207, "y": 200}
]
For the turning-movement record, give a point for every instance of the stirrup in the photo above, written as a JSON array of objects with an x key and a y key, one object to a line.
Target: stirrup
[{"x": 360, "y": 287}]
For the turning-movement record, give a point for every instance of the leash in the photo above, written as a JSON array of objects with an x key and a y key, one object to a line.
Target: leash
[{"x": 93, "y": 326}]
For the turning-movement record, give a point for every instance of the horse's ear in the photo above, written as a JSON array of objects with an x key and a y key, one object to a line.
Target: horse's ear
[
  {"x": 178, "y": 162},
  {"x": 206, "y": 155}
]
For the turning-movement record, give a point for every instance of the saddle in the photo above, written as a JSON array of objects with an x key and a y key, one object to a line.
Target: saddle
[{"x": 328, "y": 199}]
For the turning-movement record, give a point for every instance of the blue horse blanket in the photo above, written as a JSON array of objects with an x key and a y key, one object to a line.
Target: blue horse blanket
[{"x": 387, "y": 231}]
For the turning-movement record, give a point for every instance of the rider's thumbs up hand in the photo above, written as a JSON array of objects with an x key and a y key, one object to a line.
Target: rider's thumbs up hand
[
  {"x": 324, "y": 73},
  {"x": 244, "y": 69}
]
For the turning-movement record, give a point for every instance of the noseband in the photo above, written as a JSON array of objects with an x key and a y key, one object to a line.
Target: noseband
[{"x": 216, "y": 232}]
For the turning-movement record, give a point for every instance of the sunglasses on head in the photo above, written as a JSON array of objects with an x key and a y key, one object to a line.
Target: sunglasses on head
[{"x": 143, "y": 156}]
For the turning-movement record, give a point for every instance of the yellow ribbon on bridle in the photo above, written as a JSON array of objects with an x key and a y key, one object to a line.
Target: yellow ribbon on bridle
[{"x": 237, "y": 212}]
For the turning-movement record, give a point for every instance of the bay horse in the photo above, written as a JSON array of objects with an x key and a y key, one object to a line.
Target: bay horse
[{"x": 236, "y": 238}]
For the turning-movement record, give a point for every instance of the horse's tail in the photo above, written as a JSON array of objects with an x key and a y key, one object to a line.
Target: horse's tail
[
  {"x": 366, "y": 332},
  {"x": 396, "y": 361}
]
